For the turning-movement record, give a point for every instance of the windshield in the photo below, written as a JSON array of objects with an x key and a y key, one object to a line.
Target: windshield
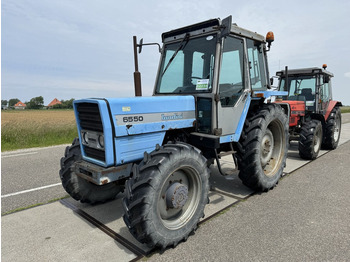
[
  {"x": 187, "y": 66},
  {"x": 300, "y": 88}
]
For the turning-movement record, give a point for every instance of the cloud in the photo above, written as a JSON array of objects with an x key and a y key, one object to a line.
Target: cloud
[{"x": 64, "y": 48}]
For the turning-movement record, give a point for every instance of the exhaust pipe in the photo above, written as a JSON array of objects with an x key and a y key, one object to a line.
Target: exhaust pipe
[{"x": 137, "y": 74}]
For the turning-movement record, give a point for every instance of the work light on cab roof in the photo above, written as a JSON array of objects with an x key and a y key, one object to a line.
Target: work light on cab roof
[{"x": 269, "y": 39}]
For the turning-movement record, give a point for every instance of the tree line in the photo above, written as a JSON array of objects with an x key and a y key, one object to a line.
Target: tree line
[{"x": 36, "y": 103}]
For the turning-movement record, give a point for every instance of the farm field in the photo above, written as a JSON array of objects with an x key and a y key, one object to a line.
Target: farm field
[
  {"x": 36, "y": 128},
  {"x": 345, "y": 109}
]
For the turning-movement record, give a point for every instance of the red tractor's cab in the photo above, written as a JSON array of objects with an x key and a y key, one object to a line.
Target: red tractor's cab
[{"x": 312, "y": 108}]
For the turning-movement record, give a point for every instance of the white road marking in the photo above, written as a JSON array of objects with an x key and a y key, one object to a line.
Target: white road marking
[
  {"x": 23, "y": 154},
  {"x": 31, "y": 190}
]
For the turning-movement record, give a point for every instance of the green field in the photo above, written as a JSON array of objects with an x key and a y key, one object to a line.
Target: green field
[
  {"x": 345, "y": 109},
  {"x": 36, "y": 128}
]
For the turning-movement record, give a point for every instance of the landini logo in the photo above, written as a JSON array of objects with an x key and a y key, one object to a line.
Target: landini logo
[{"x": 174, "y": 116}]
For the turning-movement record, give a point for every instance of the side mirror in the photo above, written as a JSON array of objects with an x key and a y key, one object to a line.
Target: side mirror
[
  {"x": 226, "y": 25},
  {"x": 140, "y": 45},
  {"x": 272, "y": 81},
  {"x": 326, "y": 79}
]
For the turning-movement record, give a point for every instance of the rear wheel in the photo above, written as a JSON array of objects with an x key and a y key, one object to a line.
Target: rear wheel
[
  {"x": 310, "y": 139},
  {"x": 79, "y": 188},
  {"x": 166, "y": 196},
  {"x": 263, "y": 147},
  {"x": 332, "y": 129}
]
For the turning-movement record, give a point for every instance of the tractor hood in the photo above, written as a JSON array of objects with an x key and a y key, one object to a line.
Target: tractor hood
[{"x": 129, "y": 125}]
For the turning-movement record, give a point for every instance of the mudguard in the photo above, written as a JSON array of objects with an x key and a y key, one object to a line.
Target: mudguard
[{"x": 330, "y": 107}]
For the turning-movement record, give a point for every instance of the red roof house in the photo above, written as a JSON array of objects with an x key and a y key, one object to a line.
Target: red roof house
[
  {"x": 54, "y": 102},
  {"x": 20, "y": 105}
]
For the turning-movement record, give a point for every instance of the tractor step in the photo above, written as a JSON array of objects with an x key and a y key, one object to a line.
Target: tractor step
[
  {"x": 226, "y": 153},
  {"x": 221, "y": 154}
]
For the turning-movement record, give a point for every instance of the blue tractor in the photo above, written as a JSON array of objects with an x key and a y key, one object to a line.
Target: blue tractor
[{"x": 210, "y": 99}]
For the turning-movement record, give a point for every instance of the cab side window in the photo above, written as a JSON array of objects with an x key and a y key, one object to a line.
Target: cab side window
[
  {"x": 256, "y": 65},
  {"x": 231, "y": 79}
]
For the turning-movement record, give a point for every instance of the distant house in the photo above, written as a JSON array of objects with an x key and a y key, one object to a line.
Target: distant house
[
  {"x": 20, "y": 105},
  {"x": 54, "y": 102}
]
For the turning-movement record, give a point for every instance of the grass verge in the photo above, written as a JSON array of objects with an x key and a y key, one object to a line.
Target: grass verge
[
  {"x": 34, "y": 205},
  {"x": 345, "y": 109}
]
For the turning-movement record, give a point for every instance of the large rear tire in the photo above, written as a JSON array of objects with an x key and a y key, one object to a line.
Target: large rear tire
[
  {"x": 310, "y": 139},
  {"x": 263, "y": 147},
  {"x": 332, "y": 129},
  {"x": 79, "y": 188},
  {"x": 166, "y": 196}
]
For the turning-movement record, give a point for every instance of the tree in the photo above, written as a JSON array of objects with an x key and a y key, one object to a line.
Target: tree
[
  {"x": 13, "y": 101},
  {"x": 68, "y": 103},
  {"x": 36, "y": 103},
  {"x": 4, "y": 102}
]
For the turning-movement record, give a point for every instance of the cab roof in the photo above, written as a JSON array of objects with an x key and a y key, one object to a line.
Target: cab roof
[
  {"x": 212, "y": 25},
  {"x": 304, "y": 71}
]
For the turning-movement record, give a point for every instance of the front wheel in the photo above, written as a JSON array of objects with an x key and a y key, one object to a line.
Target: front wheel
[
  {"x": 310, "y": 139},
  {"x": 166, "y": 196},
  {"x": 79, "y": 188},
  {"x": 263, "y": 147}
]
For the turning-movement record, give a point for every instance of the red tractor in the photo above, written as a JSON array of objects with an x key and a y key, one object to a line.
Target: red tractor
[{"x": 315, "y": 118}]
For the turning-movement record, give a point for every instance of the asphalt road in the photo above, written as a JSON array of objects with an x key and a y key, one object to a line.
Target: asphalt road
[{"x": 36, "y": 170}]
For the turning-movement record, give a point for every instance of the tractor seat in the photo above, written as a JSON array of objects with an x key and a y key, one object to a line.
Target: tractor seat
[{"x": 307, "y": 92}]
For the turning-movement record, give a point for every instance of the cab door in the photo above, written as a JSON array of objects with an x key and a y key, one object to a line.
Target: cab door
[
  {"x": 233, "y": 87},
  {"x": 324, "y": 95}
]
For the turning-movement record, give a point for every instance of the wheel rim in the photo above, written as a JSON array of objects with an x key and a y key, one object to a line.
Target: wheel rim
[
  {"x": 272, "y": 149},
  {"x": 336, "y": 132},
  {"x": 179, "y": 197},
  {"x": 317, "y": 140},
  {"x": 267, "y": 145}
]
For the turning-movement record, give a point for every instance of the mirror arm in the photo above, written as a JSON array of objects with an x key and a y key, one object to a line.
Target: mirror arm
[{"x": 142, "y": 44}]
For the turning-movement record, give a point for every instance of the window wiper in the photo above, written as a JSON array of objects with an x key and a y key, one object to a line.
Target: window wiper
[{"x": 181, "y": 46}]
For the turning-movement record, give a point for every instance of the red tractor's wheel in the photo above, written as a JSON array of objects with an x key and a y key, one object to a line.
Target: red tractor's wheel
[
  {"x": 310, "y": 139},
  {"x": 332, "y": 130}
]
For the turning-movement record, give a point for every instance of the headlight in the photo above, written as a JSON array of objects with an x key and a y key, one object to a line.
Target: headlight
[
  {"x": 84, "y": 135},
  {"x": 101, "y": 141}
]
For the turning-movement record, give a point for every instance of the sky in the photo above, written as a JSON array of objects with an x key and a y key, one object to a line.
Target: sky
[{"x": 78, "y": 49}]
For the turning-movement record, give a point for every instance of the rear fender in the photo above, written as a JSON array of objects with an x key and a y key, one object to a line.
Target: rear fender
[{"x": 330, "y": 107}]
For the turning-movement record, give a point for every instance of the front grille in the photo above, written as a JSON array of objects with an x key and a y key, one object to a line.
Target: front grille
[
  {"x": 90, "y": 120},
  {"x": 95, "y": 153},
  {"x": 89, "y": 116}
]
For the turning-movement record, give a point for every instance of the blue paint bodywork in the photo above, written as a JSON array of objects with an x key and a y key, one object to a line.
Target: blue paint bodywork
[
  {"x": 132, "y": 138},
  {"x": 269, "y": 93},
  {"x": 235, "y": 137}
]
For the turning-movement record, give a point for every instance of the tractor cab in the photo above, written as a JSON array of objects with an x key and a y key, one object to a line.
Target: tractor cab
[
  {"x": 312, "y": 86},
  {"x": 223, "y": 66}
]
